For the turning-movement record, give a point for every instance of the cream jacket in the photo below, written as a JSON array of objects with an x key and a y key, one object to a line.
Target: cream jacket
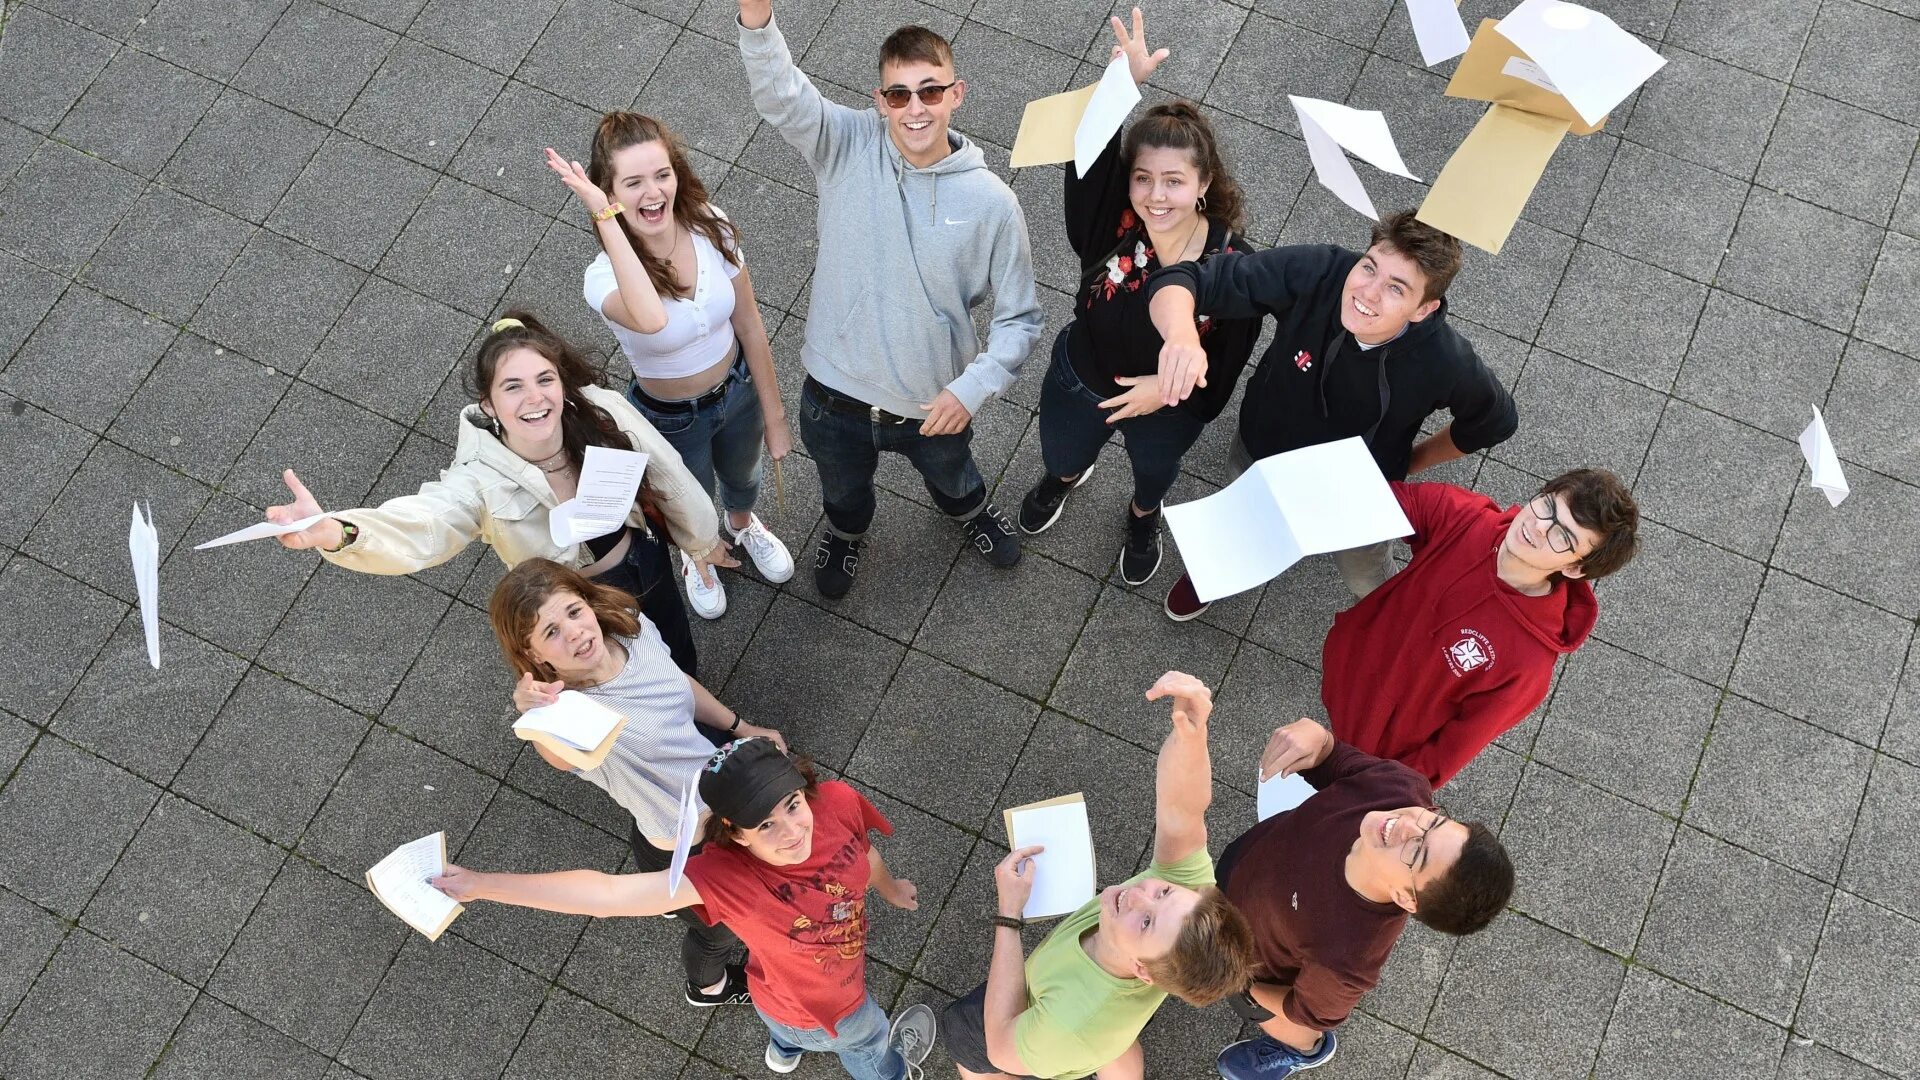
[{"x": 494, "y": 495}]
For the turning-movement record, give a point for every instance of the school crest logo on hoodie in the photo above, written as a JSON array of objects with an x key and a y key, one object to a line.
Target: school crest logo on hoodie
[{"x": 1471, "y": 653}]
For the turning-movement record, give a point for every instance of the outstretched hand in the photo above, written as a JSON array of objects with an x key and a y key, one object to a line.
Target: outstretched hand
[
  {"x": 1299, "y": 745},
  {"x": 1141, "y": 64},
  {"x": 531, "y": 693},
  {"x": 325, "y": 534},
  {"x": 1192, "y": 701}
]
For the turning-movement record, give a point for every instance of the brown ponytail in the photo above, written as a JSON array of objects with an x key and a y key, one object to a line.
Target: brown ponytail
[
  {"x": 1179, "y": 125},
  {"x": 619, "y": 130}
]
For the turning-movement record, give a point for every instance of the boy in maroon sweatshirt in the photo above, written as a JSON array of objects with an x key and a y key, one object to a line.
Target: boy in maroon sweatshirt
[{"x": 1460, "y": 646}]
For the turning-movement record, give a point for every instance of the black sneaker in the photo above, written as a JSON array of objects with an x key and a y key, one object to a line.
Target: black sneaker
[
  {"x": 1042, "y": 506},
  {"x": 994, "y": 536},
  {"x": 834, "y": 564},
  {"x": 1140, "y": 557},
  {"x": 733, "y": 993}
]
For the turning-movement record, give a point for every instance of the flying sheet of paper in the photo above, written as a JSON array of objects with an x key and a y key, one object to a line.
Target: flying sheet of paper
[
  {"x": 1063, "y": 874},
  {"x": 1327, "y": 497},
  {"x": 683, "y": 836},
  {"x": 573, "y": 718},
  {"x": 1048, "y": 127},
  {"x": 1817, "y": 448},
  {"x": 1331, "y": 132},
  {"x": 1114, "y": 96},
  {"x": 258, "y": 531},
  {"x": 400, "y": 881},
  {"x": 609, "y": 482},
  {"x": 1592, "y": 62},
  {"x": 143, "y": 544},
  {"x": 1438, "y": 29},
  {"x": 1282, "y": 793},
  {"x": 1485, "y": 185}
]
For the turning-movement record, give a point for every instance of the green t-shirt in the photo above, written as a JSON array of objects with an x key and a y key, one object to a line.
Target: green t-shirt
[{"x": 1078, "y": 1016}]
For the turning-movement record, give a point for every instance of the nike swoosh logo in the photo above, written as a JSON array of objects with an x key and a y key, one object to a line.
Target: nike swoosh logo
[{"x": 950, "y": 221}]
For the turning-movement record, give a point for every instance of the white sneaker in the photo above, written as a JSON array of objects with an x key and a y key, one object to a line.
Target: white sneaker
[
  {"x": 780, "y": 1062},
  {"x": 769, "y": 555},
  {"x": 709, "y": 601}
]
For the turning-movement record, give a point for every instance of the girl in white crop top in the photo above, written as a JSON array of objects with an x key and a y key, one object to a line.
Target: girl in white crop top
[{"x": 671, "y": 284}]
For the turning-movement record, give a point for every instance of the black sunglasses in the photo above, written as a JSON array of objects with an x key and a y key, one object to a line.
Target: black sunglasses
[{"x": 897, "y": 96}]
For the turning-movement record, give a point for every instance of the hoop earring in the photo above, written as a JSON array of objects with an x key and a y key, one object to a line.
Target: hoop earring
[{"x": 1200, "y": 205}]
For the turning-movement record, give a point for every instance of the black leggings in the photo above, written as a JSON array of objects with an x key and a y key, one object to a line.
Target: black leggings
[
  {"x": 647, "y": 575},
  {"x": 705, "y": 949}
]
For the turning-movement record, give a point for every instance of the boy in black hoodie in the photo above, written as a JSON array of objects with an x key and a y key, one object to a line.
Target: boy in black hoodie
[{"x": 1362, "y": 347}]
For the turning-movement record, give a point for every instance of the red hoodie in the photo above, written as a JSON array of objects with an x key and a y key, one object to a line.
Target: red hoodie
[{"x": 1437, "y": 662}]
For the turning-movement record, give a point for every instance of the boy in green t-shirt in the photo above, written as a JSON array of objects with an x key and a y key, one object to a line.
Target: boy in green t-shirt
[{"x": 1076, "y": 1006}]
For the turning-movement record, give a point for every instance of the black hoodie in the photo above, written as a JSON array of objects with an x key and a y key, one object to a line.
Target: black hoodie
[{"x": 1316, "y": 385}]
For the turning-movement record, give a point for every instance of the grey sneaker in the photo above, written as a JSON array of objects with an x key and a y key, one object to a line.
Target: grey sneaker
[
  {"x": 912, "y": 1037},
  {"x": 780, "y": 1062}
]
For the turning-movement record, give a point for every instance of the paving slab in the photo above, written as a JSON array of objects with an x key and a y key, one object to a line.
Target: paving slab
[{"x": 96, "y": 1011}]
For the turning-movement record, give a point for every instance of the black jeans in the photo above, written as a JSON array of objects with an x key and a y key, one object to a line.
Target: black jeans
[
  {"x": 1073, "y": 428},
  {"x": 704, "y": 950},
  {"x": 647, "y": 574},
  {"x": 846, "y": 448}
]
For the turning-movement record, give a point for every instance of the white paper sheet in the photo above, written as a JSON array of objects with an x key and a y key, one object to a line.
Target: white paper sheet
[
  {"x": 1817, "y": 448},
  {"x": 258, "y": 532},
  {"x": 400, "y": 880},
  {"x": 1331, "y": 131},
  {"x": 1063, "y": 874},
  {"x": 1282, "y": 793},
  {"x": 609, "y": 482},
  {"x": 1309, "y": 501},
  {"x": 1113, "y": 99},
  {"x": 1526, "y": 70},
  {"x": 1438, "y": 29},
  {"x": 683, "y": 835},
  {"x": 1593, "y": 62},
  {"x": 573, "y": 718},
  {"x": 143, "y": 545}
]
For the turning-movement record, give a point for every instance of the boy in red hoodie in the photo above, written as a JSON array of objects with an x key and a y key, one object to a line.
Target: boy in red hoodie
[{"x": 1460, "y": 646}]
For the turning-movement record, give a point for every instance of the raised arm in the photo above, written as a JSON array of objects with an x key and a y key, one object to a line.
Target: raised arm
[
  {"x": 571, "y": 892},
  {"x": 785, "y": 97},
  {"x": 1183, "y": 781},
  {"x": 400, "y": 536},
  {"x": 1006, "y": 997},
  {"x": 634, "y": 303}
]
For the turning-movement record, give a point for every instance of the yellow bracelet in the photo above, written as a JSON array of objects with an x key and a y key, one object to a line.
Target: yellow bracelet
[{"x": 608, "y": 212}]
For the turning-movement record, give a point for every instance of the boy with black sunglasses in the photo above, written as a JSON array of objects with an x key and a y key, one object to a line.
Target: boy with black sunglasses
[{"x": 915, "y": 231}]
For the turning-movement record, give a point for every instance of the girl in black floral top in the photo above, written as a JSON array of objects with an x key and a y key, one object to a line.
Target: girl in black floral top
[{"x": 1158, "y": 196}]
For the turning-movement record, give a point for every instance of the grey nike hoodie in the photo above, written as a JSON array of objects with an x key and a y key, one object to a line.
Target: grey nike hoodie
[{"x": 905, "y": 254}]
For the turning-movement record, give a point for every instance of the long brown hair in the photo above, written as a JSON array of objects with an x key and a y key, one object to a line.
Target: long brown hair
[
  {"x": 1179, "y": 125},
  {"x": 515, "y": 610},
  {"x": 619, "y": 130}
]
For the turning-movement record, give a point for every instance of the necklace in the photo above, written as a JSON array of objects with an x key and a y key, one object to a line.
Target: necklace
[
  {"x": 564, "y": 465},
  {"x": 1178, "y": 255}
]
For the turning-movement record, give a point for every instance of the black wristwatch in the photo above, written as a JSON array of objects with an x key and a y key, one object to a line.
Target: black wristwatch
[{"x": 1243, "y": 1004}]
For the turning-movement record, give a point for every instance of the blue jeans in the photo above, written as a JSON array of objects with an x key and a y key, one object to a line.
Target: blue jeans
[
  {"x": 1073, "y": 428},
  {"x": 718, "y": 441},
  {"x": 846, "y": 446},
  {"x": 861, "y": 1043}
]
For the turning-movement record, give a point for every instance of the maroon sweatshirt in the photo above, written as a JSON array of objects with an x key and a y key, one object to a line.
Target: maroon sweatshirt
[{"x": 1438, "y": 661}]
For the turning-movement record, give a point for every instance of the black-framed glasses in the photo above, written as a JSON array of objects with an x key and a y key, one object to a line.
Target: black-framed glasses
[
  {"x": 897, "y": 96},
  {"x": 1559, "y": 537},
  {"x": 1419, "y": 845}
]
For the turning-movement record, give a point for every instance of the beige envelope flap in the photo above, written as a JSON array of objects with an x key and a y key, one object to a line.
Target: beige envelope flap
[
  {"x": 1484, "y": 75},
  {"x": 1047, "y": 127},
  {"x": 1486, "y": 183}
]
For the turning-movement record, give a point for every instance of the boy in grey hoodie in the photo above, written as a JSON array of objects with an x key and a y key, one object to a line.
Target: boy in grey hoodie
[{"x": 915, "y": 231}]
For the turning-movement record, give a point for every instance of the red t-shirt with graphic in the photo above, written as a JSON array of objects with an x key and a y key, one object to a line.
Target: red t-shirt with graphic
[{"x": 806, "y": 924}]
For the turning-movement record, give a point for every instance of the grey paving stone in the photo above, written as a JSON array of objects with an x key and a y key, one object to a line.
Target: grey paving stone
[
  {"x": 311, "y": 956},
  {"x": 216, "y": 1042},
  {"x": 572, "y": 1037},
  {"x": 1682, "y": 602},
  {"x": 1556, "y": 825},
  {"x": 1858, "y": 990},
  {"x": 723, "y": 641},
  {"x": 243, "y": 155},
  {"x": 49, "y": 64},
  {"x": 71, "y": 622},
  {"x": 1665, "y": 211},
  {"x": 1755, "y": 749},
  {"x": 1771, "y": 262},
  {"x": 699, "y": 89},
  {"x": 1511, "y": 293},
  {"x": 1262, "y": 691},
  {"x": 38, "y": 452},
  {"x": 34, "y": 291},
  {"x": 1411, "y": 978},
  {"x": 198, "y": 409},
  {"x": 395, "y": 15},
  {"x": 1014, "y": 627},
  {"x": 87, "y": 357},
  {"x": 1836, "y": 64},
  {"x": 1432, "y": 1063},
  {"x": 799, "y": 20},
  {"x": 1874, "y": 388},
  {"x": 1663, "y": 1029},
  {"x": 1906, "y": 212},
  {"x": 326, "y": 643},
  {"x": 1575, "y": 416},
  {"x": 67, "y": 815},
  {"x": 1316, "y": 66},
  {"x": 1126, "y": 645},
  {"x": 1427, "y": 125},
  {"x": 212, "y": 37},
  {"x": 1765, "y": 37},
  {"x": 901, "y": 574},
  {"x": 33, "y": 936},
  {"x": 926, "y": 851},
  {"x": 1064, "y": 28},
  {"x": 1355, "y": 23},
  {"x": 847, "y": 48},
  {"x": 1804, "y": 1057},
  {"x": 518, "y": 835},
  {"x": 1834, "y": 155},
  {"x": 504, "y": 154},
  {"x": 352, "y": 200},
  {"x": 314, "y": 61},
  {"x": 548, "y": 282},
  {"x": 471, "y": 1006},
  {"x": 1297, "y": 610},
  {"x": 113, "y": 712},
  {"x": 1752, "y": 954},
  {"x": 1268, "y": 166},
  {"x": 137, "y": 112},
  {"x": 463, "y": 246},
  {"x": 1743, "y": 105},
  {"x": 1042, "y": 197},
  {"x": 532, "y": 776},
  {"x": 1622, "y": 315},
  {"x": 239, "y": 592},
  {"x": 1903, "y": 727},
  {"x": 1897, "y": 274},
  {"x": 1880, "y": 860},
  {"x": 957, "y": 952},
  {"x": 776, "y": 232},
  {"x": 114, "y": 18},
  {"x": 1822, "y": 657},
  {"x": 489, "y": 35},
  {"x": 814, "y": 676},
  {"x": 270, "y": 268},
  {"x": 422, "y": 103},
  {"x": 61, "y": 205},
  {"x": 263, "y": 772},
  {"x": 1718, "y": 479},
  {"x": 166, "y": 254},
  {"x": 390, "y": 349},
  {"x": 769, "y": 155},
  {"x": 302, "y": 434},
  {"x": 1821, "y": 544},
  {"x": 457, "y": 697},
  {"x": 1526, "y": 999},
  {"x": 1003, "y": 73},
  {"x": 632, "y": 967},
  {"x": 1626, "y": 724},
  {"x": 181, "y": 891},
  {"x": 598, "y": 54},
  {"x": 1563, "y": 198},
  {"x": 97, "y": 1012},
  {"x": 1064, "y": 756},
  {"x": 1757, "y": 364}
]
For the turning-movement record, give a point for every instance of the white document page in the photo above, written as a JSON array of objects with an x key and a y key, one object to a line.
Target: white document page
[
  {"x": 258, "y": 532},
  {"x": 1817, "y": 448},
  {"x": 1593, "y": 62},
  {"x": 1333, "y": 496},
  {"x": 574, "y": 719},
  {"x": 1062, "y": 874},
  {"x": 400, "y": 880},
  {"x": 1234, "y": 539},
  {"x": 1438, "y": 29},
  {"x": 1332, "y": 131},
  {"x": 1113, "y": 98},
  {"x": 609, "y": 482},
  {"x": 143, "y": 544},
  {"x": 683, "y": 836},
  {"x": 1282, "y": 793}
]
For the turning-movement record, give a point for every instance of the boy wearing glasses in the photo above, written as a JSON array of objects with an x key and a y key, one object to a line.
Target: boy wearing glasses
[
  {"x": 1328, "y": 886},
  {"x": 1460, "y": 646},
  {"x": 915, "y": 231}
]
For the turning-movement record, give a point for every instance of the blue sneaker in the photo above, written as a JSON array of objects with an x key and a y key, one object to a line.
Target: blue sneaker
[{"x": 1264, "y": 1058}]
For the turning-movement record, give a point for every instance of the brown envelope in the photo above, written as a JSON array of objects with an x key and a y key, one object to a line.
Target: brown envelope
[
  {"x": 1480, "y": 77},
  {"x": 1484, "y": 186},
  {"x": 1047, "y": 127}
]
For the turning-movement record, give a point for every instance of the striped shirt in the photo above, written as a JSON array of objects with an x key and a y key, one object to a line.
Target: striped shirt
[{"x": 660, "y": 751}]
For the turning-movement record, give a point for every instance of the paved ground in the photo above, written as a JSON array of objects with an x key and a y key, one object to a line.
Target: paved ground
[{"x": 240, "y": 235}]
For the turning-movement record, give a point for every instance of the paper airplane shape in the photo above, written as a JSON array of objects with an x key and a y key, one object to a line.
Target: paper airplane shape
[
  {"x": 259, "y": 531},
  {"x": 1077, "y": 125},
  {"x": 143, "y": 545},
  {"x": 1332, "y": 131},
  {"x": 1817, "y": 448}
]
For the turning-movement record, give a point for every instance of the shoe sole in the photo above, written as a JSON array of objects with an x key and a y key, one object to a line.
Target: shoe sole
[
  {"x": 1058, "y": 510},
  {"x": 1158, "y": 558},
  {"x": 771, "y": 1063},
  {"x": 1184, "y": 618},
  {"x": 713, "y": 1004}
]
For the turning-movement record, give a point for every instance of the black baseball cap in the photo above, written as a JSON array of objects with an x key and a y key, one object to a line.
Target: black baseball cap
[{"x": 746, "y": 779}]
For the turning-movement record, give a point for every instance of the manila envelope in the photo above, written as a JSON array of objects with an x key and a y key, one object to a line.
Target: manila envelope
[
  {"x": 1486, "y": 183},
  {"x": 1048, "y": 126},
  {"x": 1482, "y": 76}
]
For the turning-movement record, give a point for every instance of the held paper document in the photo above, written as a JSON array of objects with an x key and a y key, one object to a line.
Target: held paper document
[
  {"x": 258, "y": 531},
  {"x": 1282, "y": 793},
  {"x": 609, "y": 483},
  {"x": 1309, "y": 501},
  {"x": 1076, "y": 126},
  {"x": 576, "y": 728},
  {"x": 1332, "y": 131},
  {"x": 1062, "y": 874},
  {"x": 400, "y": 882},
  {"x": 143, "y": 544}
]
